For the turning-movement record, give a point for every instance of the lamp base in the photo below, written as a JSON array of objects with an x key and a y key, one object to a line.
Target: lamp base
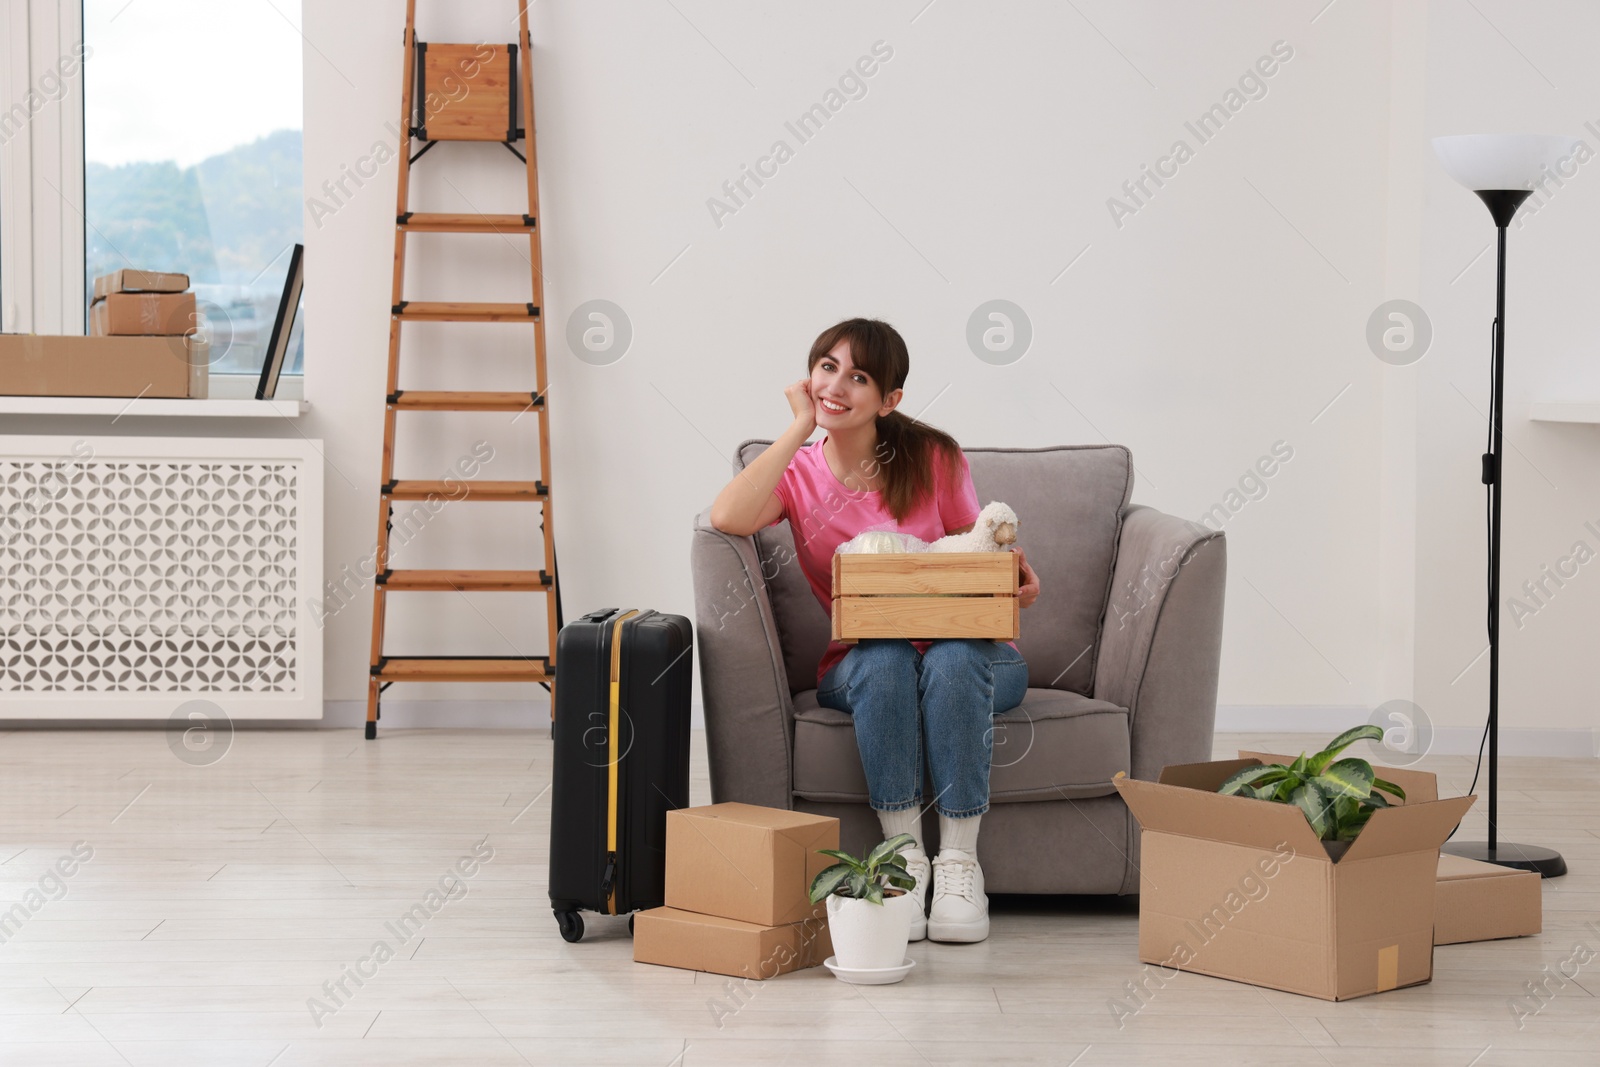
[{"x": 1546, "y": 861}]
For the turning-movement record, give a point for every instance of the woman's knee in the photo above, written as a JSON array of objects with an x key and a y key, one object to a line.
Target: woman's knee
[
  {"x": 958, "y": 650},
  {"x": 954, "y": 658},
  {"x": 969, "y": 660},
  {"x": 1010, "y": 684},
  {"x": 875, "y": 654},
  {"x": 870, "y": 659}
]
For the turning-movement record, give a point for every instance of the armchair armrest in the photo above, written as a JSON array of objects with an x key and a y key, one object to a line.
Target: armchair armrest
[
  {"x": 1161, "y": 640},
  {"x": 743, "y": 683}
]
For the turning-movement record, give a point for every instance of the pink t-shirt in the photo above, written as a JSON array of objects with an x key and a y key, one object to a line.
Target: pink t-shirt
[{"x": 824, "y": 513}]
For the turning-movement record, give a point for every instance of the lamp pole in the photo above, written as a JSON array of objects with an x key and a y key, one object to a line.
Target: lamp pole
[
  {"x": 1502, "y": 169},
  {"x": 1491, "y": 474},
  {"x": 1502, "y": 204}
]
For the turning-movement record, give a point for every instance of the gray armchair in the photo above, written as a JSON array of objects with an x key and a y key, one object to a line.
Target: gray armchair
[{"x": 1122, "y": 648}]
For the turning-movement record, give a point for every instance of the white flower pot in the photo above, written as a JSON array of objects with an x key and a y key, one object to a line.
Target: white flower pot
[{"x": 865, "y": 935}]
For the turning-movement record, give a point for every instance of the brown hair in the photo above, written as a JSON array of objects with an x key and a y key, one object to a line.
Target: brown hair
[{"x": 907, "y": 447}]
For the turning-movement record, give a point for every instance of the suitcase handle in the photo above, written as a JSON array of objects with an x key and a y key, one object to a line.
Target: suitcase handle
[{"x": 603, "y": 613}]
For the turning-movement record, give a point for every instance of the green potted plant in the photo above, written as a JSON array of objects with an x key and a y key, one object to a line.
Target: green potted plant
[
  {"x": 1337, "y": 797},
  {"x": 868, "y": 925}
]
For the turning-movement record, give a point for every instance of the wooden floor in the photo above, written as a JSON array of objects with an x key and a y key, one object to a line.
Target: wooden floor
[{"x": 219, "y": 899}]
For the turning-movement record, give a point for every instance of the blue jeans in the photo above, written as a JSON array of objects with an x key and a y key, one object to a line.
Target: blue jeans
[{"x": 954, "y": 690}]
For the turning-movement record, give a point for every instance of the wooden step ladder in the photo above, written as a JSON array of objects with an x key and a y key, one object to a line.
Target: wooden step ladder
[{"x": 464, "y": 92}]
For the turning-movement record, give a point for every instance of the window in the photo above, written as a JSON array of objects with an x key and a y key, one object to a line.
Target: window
[{"x": 192, "y": 121}]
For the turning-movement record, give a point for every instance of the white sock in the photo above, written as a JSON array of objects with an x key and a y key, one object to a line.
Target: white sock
[
  {"x": 904, "y": 821},
  {"x": 959, "y": 833}
]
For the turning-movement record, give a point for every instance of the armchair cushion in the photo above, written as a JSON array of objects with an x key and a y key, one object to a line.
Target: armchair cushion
[
  {"x": 1054, "y": 745},
  {"x": 1070, "y": 499}
]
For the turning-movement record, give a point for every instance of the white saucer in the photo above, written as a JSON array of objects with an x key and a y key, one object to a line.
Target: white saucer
[{"x": 869, "y": 975}]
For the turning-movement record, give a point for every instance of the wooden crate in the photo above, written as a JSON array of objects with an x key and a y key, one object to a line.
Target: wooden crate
[{"x": 926, "y": 595}]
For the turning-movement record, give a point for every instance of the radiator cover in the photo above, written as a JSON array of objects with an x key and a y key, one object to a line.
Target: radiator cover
[{"x": 137, "y": 574}]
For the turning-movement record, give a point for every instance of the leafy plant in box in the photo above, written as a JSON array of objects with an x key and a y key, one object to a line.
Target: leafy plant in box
[{"x": 1337, "y": 797}]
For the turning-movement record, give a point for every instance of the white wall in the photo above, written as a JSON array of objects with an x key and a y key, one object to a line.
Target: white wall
[
  {"x": 1222, "y": 317},
  {"x": 1527, "y": 71}
]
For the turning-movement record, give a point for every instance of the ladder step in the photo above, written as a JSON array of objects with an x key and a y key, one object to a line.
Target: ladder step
[
  {"x": 412, "y": 489},
  {"x": 488, "y": 581},
  {"x": 426, "y": 400},
  {"x": 462, "y": 311},
  {"x": 434, "y": 222},
  {"x": 463, "y": 669}
]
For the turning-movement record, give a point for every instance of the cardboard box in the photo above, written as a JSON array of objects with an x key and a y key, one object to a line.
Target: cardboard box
[
  {"x": 675, "y": 938},
  {"x": 143, "y": 314},
  {"x": 1243, "y": 889},
  {"x": 926, "y": 595},
  {"x": 139, "y": 281},
  {"x": 32, "y": 365},
  {"x": 746, "y": 862},
  {"x": 1478, "y": 901}
]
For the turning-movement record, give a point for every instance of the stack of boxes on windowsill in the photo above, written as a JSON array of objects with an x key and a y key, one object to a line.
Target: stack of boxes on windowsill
[
  {"x": 141, "y": 303},
  {"x": 143, "y": 343},
  {"x": 738, "y": 880}
]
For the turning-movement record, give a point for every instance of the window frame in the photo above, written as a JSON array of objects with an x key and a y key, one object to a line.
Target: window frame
[
  {"x": 41, "y": 173},
  {"x": 43, "y": 230}
]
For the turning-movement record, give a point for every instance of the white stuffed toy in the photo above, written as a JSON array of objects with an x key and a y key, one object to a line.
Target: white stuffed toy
[{"x": 995, "y": 531}]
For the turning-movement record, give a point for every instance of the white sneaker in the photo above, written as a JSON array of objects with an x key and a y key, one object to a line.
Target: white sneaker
[
  {"x": 960, "y": 908},
  {"x": 914, "y": 900}
]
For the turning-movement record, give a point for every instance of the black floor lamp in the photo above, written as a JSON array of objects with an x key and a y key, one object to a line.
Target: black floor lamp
[{"x": 1503, "y": 170}]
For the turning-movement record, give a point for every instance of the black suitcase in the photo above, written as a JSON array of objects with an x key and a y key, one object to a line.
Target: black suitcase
[{"x": 621, "y": 760}]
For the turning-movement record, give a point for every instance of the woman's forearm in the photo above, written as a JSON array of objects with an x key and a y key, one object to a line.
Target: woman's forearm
[{"x": 738, "y": 507}]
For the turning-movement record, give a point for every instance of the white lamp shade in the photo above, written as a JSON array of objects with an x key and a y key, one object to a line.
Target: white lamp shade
[{"x": 1482, "y": 161}]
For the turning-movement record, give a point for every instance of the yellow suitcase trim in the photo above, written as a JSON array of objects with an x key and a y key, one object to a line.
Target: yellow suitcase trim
[{"x": 613, "y": 723}]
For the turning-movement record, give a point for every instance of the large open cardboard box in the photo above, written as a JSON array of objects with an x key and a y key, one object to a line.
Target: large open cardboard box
[
  {"x": 1243, "y": 889},
  {"x": 1473, "y": 901}
]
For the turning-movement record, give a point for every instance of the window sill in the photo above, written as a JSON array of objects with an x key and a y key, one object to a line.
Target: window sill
[
  {"x": 1565, "y": 411},
  {"x": 232, "y": 396}
]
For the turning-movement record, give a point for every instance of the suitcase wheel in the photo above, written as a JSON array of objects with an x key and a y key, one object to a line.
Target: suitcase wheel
[{"x": 571, "y": 924}]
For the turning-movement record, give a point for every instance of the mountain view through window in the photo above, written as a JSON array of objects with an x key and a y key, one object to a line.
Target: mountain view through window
[{"x": 193, "y": 158}]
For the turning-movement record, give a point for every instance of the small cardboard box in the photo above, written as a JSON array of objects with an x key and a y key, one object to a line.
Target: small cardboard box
[
  {"x": 675, "y": 938},
  {"x": 32, "y": 365},
  {"x": 139, "y": 281},
  {"x": 746, "y": 862},
  {"x": 1482, "y": 901},
  {"x": 142, "y": 315},
  {"x": 1243, "y": 889},
  {"x": 926, "y": 595}
]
